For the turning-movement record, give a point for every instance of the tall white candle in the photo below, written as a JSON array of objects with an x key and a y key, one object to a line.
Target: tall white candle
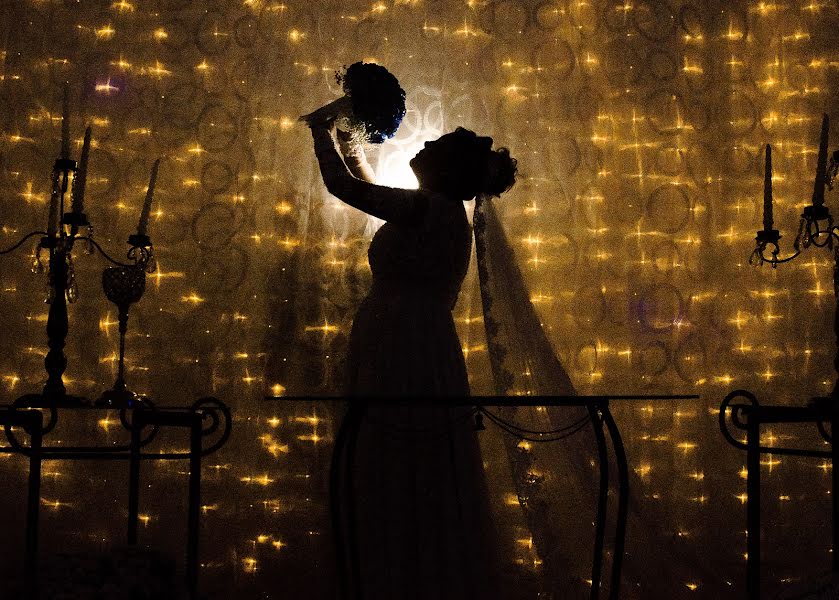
[
  {"x": 55, "y": 194},
  {"x": 144, "y": 215},
  {"x": 767, "y": 191},
  {"x": 821, "y": 166},
  {"x": 65, "y": 123},
  {"x": 81, "y": 174}
]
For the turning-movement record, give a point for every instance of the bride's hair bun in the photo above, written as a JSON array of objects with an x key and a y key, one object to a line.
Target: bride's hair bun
[
  {"x": 482, "y": 170},
  {"x": 499, "y": 172}
]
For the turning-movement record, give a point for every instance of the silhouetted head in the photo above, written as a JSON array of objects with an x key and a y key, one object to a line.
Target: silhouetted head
[{"x": 462, "y": 164}]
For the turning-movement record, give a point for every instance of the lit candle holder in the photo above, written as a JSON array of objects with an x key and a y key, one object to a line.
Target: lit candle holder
[
  {"x": 767, "y": 191},
  {"x": 65, "y": 123},
  {"x": 144, "y": 215},
  {"x": 821, "y": 167},
  {"x": 81, "y": 175}
]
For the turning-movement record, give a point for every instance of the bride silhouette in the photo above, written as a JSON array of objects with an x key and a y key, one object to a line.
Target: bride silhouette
[{"x": 416, "y": 517}]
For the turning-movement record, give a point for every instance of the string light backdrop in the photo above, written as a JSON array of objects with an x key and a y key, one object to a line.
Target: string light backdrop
[{"x": 639, "y": 127}]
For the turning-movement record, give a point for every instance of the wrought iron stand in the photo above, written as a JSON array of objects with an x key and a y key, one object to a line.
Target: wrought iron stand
[
  {"x": 208, "y": 418},
  {"x": 32, "y": 423},
  {"x": 599, "y": 415},
  {"x": 816, "y": 228},
  {"x": 123, "y": 284},
  {"x": 749, "y": 417}
]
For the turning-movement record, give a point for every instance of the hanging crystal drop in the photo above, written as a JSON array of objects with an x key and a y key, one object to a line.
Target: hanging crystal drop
[
  {"x": 49, "y": 293},
  {"x": 151, "y": 263},
  {"x": 72, "y": 289},
  {"x": 37, "y": 263},
  {"x": 88, "y": 244}
]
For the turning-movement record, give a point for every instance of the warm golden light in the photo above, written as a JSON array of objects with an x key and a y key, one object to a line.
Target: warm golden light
[{"x": 639, "y": 129}]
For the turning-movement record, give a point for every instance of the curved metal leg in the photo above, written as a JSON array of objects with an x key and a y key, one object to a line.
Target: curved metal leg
[
  {"x": 356, "y": 416},
  {"x": 623, "y": 500},
  {"x": 193, "y": 506},
  {"x": 753, "y": 507},
  {"x": 134, "y": 482},
  {"x": 602, "y": 501},
  {"x": 32, "y": 510},
  {"x": 335, "y": 472}
]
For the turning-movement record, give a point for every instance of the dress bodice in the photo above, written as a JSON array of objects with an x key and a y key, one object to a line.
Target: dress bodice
[
  {"x": 431, "y": 258},
  {"x": 423, "y": 249}
]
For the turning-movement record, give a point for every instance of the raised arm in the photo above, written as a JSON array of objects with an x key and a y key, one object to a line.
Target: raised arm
[
  {"x": 394, "y": 205},
  {"x": 354, "y": 157}
]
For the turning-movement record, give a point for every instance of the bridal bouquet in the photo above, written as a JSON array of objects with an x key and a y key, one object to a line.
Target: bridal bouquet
[
  {"x": 377, "y": 101},
  {"x": 373, "y": 104}
]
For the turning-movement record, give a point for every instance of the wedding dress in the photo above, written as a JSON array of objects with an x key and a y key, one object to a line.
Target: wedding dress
[{"x": 412, "y": 503}]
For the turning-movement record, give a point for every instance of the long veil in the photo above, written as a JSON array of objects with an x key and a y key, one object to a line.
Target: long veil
[
  {"x": 524, "y": 363},
  {"x": 556, "y": 482}
]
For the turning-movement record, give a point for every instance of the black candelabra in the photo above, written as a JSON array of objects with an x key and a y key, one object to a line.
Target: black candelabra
[
  {"x": 123, "y": 284},
  {"x": 208, "y": 420},
  {"x": 816, "y": 227}
]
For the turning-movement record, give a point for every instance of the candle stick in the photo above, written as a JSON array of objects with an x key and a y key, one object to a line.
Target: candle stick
[
  {"x": 81, "y": 175},
  {"x": 144, "y": 215},
  {"x": 52, "y": 222},
  {"x": 767, "y": 191},
  {"x": 65, "y": 123},
  {"x": 821, "y": 167}
]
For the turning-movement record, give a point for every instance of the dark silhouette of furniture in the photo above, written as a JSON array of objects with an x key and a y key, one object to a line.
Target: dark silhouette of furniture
[
  {"x": 207, "y": 419},
  {"x": 603, "y": 423},
  {"x": 749, "y": 417}
]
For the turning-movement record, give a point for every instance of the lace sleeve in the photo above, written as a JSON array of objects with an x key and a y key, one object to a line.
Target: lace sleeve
[
  {"x": 394, "y": 205},
  {"x": 356, "y": 160}
]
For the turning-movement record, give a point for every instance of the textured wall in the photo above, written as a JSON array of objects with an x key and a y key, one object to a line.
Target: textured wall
[{"x": 639, "y": 128}]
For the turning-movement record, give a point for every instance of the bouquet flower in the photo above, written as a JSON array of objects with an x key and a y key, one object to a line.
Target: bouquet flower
[{"x": 372, "y": 107}]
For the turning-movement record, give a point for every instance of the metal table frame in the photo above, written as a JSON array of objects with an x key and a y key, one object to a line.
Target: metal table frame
[
  {"x": 208, "y": 417},
  {"x": 600, "y": 416},
  {"x": 749, "y": 417}
]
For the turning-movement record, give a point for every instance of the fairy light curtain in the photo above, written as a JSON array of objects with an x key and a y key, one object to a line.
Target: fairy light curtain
[{"x": 638, "y": 125}]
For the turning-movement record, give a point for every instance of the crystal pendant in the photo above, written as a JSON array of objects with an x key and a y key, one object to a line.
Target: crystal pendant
[
  {"x": 151, "y": 263},
  {"x": 72, "y": 289},
  {"x": 89, "y": 248},
  {"x": 805, "y": 237},
  {"x": 832, "y": 170},
  {"x": 38, "y": 266},
  {"x": 72, "y": 292}
]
